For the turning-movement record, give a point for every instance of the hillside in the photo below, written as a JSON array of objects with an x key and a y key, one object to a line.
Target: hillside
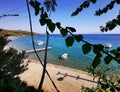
[{"x": 4, "y": 32}]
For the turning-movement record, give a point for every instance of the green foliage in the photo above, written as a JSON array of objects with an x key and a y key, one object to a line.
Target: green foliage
[
  {"x": 36, "y": 5},
  {"x": 106, "y": 8},
  {"x": 50, "y": 25},
  {"x": 98, "y": 49},
  {"x": 50, "y": 5},
  {"x": 69, "y": 41},
  {"x": 107, "y": 59},
  {"x": 105, "y": 85},
  {"x": 93, "y": 1},
  {"x": 71, "y": 29},
  {"x": 63, "y": 32},
  {"x": 111, "y": 24},
  {"x": 106, "y": 82},
  {"x": 10, "y": 61},
  {"x": 78, "y": 38},
  {"x": 96, "y": 61},
  {"x": 85, "y": 4},
  {"x": 86, "y": 48},
  {"x": 4, "y": 32},
  {"x": 3, "y": 42}
]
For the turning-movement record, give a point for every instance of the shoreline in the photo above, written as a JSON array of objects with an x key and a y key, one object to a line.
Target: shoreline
[{"x": 66, "y": 79}]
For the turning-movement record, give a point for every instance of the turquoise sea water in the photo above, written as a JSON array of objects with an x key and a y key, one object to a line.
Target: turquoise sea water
[{"x": 76, "y": 57}]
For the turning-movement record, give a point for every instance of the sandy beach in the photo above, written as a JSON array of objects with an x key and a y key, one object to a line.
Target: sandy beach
[{"x": 66, "y": 79}]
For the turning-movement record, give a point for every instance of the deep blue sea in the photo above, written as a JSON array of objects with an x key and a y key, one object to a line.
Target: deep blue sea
[{"x": 76, "y": 58}]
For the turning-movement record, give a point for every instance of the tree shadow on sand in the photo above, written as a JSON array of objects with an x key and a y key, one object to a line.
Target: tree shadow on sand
[{"x": 72, "y": 76}]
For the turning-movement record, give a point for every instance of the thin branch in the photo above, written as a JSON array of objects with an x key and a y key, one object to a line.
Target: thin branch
[
  {"x": 7, "y": 15},
  {"x": 34, "y": 45},
  {"x": 97, "y": 47},
  {"x": 45, "y": 62}
]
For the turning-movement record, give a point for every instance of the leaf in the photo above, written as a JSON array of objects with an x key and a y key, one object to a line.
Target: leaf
[
  {"x": 117, "y": 55},
  {"x": 107, "y": 59},
  {"x": 100, "y": 46},
  {"x": 118, "y": 1},
  {"x": 112, "y": 26},
  {"x": 69, "y": 41},
  {"x": 113, "y": 51},
  {"x": 71, "y": 29},
  {"x": 110, "y": 6},
  {"x": 97, "y": 48},
  {"x": 118, "y": 49},
  {"x": 50, "y": 25},
  {"x": 86, "y": 48},
  {"x": 78, "y": 38},
  {"x": 79, "y": 9},
  {"x": 96, "y": 62},
  {"x": 44, "y": 16},
  {"x": 93, "y": 1},
  {"x": 58, "y": 24},
  {"x": 42, "y": 22},
  {"x": 86, "y": 4},
  {"x": 63, "y": 32},
  {"x": 32, "y": 3},
  {"x": 74, "y": 13}
]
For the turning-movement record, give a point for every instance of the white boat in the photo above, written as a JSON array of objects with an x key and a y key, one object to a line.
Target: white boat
[
  {"x": 64, "y": 56},
  {"x": 40, "y": 42},
  {"x": 108, "y": 45}
]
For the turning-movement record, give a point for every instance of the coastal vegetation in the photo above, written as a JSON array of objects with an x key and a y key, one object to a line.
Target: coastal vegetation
[
  {"x": 4, "y": 32},
  {"x": 68, "y": 32},
  {"x": 11, "y": 58},
  {"x": 10, "y": 66}
]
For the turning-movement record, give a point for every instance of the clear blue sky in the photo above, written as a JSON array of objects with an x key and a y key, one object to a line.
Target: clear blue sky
[{"x": 85, "y": 22}]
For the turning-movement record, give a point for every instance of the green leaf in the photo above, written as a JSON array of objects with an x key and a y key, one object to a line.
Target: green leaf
[
  {"x": 118, "y": 49},
  {"x": 44, "y": 16},
  {"x": 42, "y": 22},
  {"x": 63, "y": 32},
  {"x": 74, "y": 13},
  {"x": 58, "y": 24},
  {"x": 93, "y": 1},
  {"x": 97, "y": 49},
  {"x": 69, "y": 41},
  {"x": 31, "y": 3},
  {"x": 86, "y": 48},
  {"x": 102, "y": 29},
  {"x": 110, "y": 6},
  {"x": 50, "y": 25},
  {"x": 113, "y": 51},
  {"x": 107, "y": 59},
  {"x": 78, "y": 38},
  {"x": 112, "y": 26},
  {"x": 79, "y": 9},
  {"x": 100, "y": 46},
  {"x": 96, "y": 62},
  {"x": 117, "y": 55},
  {"x": 118, "y": 1},
  {"x": 86, "y": 4},
  {"x": 48, "y": 21},
  {"x": 35, "y": 5},
  {"x": 71, "y": 29}
]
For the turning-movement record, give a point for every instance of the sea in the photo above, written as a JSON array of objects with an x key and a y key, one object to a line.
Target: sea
[{"x": 76, "y": 58}]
